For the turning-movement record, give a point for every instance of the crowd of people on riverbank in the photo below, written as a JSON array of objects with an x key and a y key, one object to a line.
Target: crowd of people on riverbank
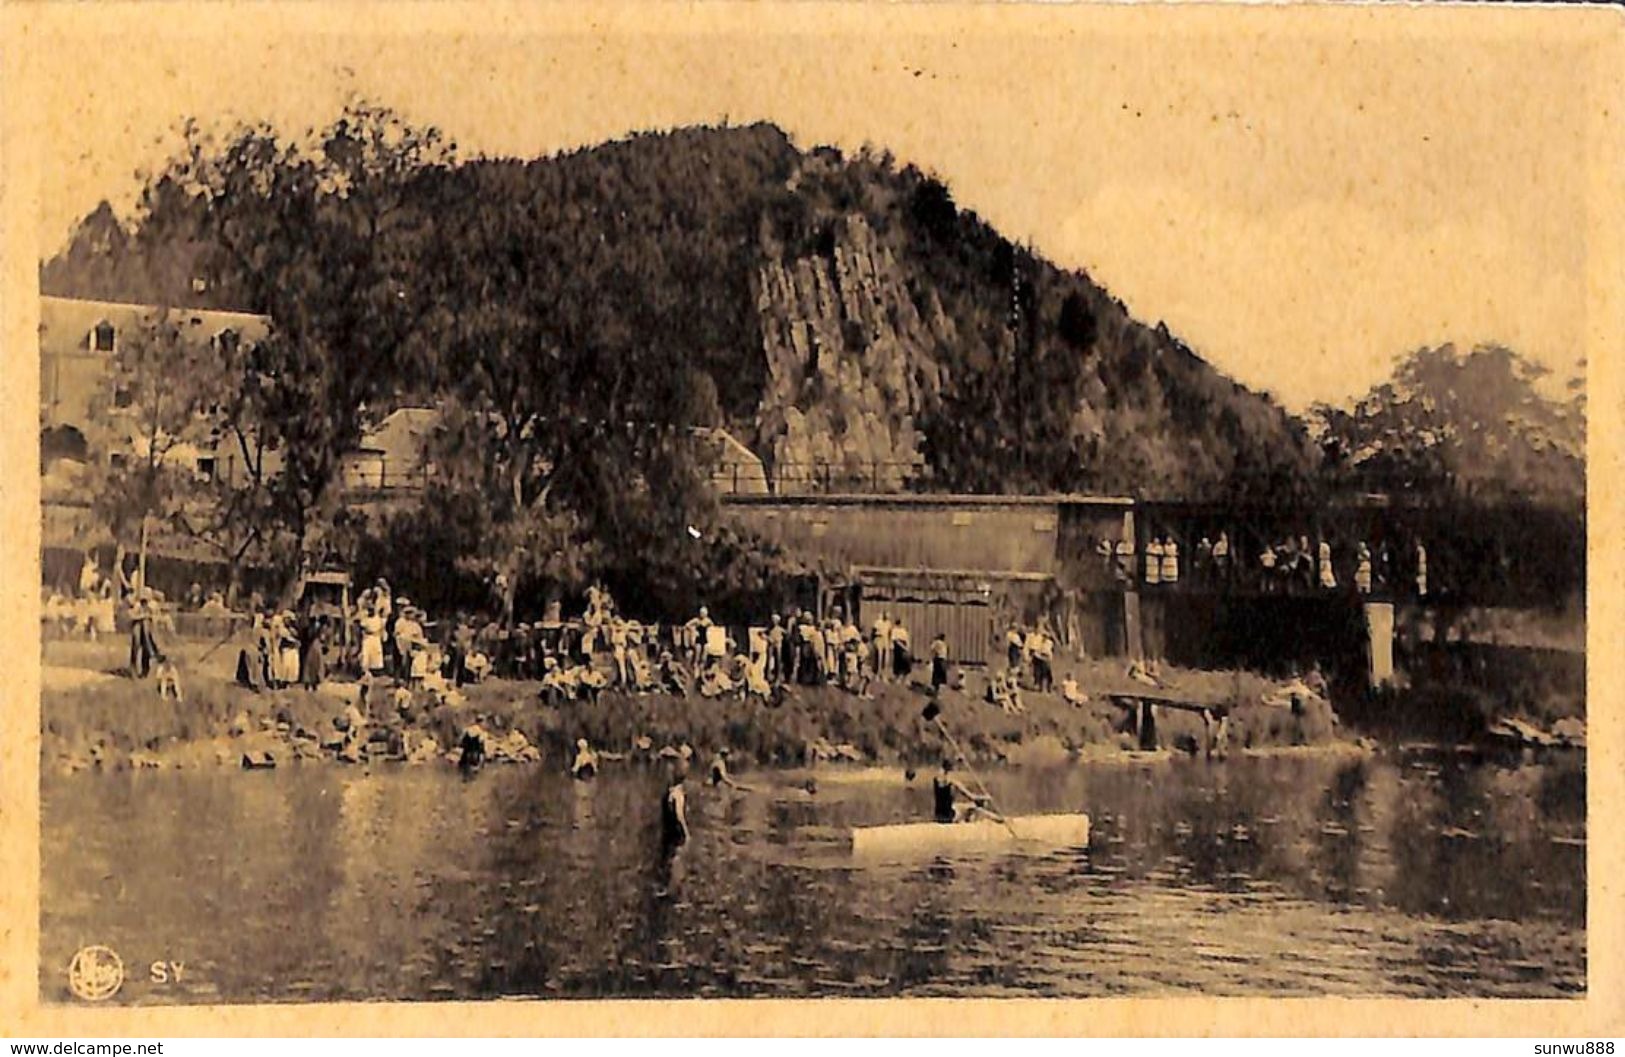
[
  {"x": 606, "y": 650},
  {"x": 388, "y": 639}
]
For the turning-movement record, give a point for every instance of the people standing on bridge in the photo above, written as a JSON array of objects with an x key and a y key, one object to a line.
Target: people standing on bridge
[
  {"x": 1362, "y": 568},
  {"x": 1288, "y": 561},
  {"x": 1221, "y": 555},
  {"x": 1421, "y": 570},
  {"x": 1170, "y": 560},
  {"x": 1108, "y": 555},
  {"x": 1266, "y": 565},
  {"x": 1328, "y": 576},
  {"x": 1125, "y": 560},
  {"x": 1153, "y": 561},
  {"x": 1203, "y": 568}
]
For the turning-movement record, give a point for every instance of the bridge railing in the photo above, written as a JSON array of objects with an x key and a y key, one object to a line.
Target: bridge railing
[{"x": 871, "y": 477}]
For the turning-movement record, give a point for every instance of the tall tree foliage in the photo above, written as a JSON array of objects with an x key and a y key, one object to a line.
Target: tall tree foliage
[
  {"x": 173, "y": 400},
  {"x": 1458, "y": 424},
  {"x": 567, "y": 440},
  {"x": 325, "y": 235}
]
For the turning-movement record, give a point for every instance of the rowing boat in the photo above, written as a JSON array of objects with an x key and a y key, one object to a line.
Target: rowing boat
[{"x": 928, "y": 838}]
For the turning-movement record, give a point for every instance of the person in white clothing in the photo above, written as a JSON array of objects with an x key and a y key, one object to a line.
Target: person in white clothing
[{"x": 1170, "y": 560}]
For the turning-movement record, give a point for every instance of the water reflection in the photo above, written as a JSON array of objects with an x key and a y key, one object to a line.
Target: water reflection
[{"x": 1409, "y": 874}]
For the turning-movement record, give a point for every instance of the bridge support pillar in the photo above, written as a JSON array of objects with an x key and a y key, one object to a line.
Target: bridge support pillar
[
  {"x": 1133, "y": 641},
  {"x": 1379, "y": 628}
]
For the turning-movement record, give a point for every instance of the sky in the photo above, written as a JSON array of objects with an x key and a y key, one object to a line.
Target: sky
[{"x": 1302, "y": 197}]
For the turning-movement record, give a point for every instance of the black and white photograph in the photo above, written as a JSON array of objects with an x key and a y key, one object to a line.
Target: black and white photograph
[{"x": 865, "y": 503}]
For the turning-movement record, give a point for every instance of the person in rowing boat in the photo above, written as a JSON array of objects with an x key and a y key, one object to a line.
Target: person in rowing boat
[{"x": 956, "y": 803}]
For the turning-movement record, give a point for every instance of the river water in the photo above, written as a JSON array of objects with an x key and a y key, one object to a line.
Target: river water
[{"x": 1407, "y": 874}]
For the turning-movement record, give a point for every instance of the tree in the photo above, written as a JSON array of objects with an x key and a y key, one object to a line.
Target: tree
[
  {"x": 179, "y": 451},
  {"x": 234, "y": 511},
  {"x": 153, "y": 421},
  {"x": 567, "y": 427},
  {"x": 1455, "y": 425},
  {"x": 323, "y": 235}
]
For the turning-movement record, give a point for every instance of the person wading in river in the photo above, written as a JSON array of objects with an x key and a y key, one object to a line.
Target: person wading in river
[
  {"x": 674, "y": 808},
  {"x": 585, "y": 765}
]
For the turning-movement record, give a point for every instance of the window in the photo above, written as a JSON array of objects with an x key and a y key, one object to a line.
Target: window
[
  {"x": 102, "y": 337},
  {"x": 122, "y": 397},
  {"x": 205, "y": 468},
  {"x": 116, "y": 460},
  {"x": 226, "y": 342}
]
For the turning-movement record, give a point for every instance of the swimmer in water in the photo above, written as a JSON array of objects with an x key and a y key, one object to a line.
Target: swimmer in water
[
  {"x": 720, "y": 776},
  {"x": 585, "y": 765}
]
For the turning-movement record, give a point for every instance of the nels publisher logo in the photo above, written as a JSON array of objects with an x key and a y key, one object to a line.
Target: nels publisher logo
[{"x": 95, "y": 974}]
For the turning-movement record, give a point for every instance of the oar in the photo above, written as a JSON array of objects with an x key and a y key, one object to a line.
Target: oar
[{"x": 933, "y": 712}]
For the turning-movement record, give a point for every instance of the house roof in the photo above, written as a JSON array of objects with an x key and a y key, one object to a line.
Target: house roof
[
  {"x": 733, "y": 450},
  {"x": 405, "y": 427},
  {"x": 66, "y": 322}
]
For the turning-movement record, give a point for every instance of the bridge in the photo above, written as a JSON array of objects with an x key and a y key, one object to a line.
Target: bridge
[{"x": 1211, "y": 583}]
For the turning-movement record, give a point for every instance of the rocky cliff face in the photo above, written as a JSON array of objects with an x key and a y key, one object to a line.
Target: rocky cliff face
[{"x": 852, "y": 360}]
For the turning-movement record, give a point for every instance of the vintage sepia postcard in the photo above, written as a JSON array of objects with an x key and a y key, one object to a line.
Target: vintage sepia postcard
[{"x": 671, "y": 519}]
